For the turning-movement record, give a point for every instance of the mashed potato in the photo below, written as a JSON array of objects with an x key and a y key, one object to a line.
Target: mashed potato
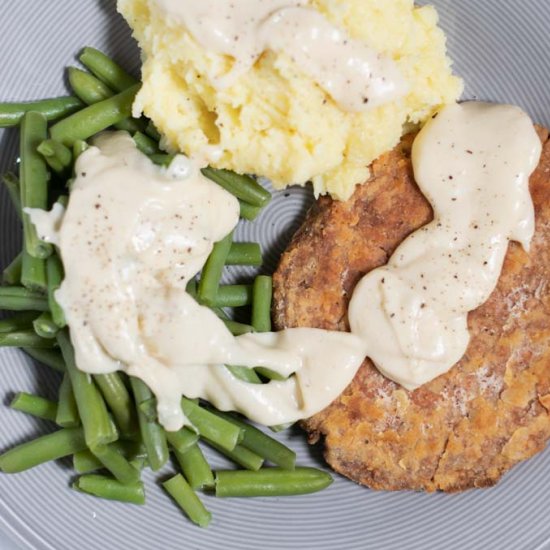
[{"x": 277, "y": 122}]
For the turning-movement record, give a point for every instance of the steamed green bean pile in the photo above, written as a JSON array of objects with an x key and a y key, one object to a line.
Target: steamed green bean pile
[{"x": 108, "y": 423}]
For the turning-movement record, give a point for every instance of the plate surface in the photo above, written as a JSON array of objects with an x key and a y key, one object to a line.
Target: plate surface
[{"x": 501, "y": 49}]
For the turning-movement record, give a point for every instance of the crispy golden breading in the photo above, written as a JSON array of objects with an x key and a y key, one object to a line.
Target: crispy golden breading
[{"x": 466, "y": 428}]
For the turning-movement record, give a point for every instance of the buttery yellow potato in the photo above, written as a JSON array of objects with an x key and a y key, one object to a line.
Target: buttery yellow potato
[{"x": 277, "y": 122}]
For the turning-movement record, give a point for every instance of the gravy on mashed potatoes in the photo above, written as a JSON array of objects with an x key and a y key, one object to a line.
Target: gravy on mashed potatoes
[{"x": 275, "y": 120}]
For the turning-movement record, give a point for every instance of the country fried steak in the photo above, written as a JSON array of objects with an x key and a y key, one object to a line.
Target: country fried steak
[{"x": 467, "y": 427}]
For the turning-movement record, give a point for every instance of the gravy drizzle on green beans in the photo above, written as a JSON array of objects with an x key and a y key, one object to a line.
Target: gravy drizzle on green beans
[{"x": 102, "y": 419}]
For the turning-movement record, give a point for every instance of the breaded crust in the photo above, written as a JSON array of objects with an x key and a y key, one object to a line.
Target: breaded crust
[{"x": 466, "y": 428}]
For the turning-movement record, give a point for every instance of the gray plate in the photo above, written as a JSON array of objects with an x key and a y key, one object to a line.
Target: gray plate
[{"x": 502, "y": 50}]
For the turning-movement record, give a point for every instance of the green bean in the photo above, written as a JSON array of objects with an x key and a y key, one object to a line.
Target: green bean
[
  {"x": 270, "y": 374},
  {"x": 241, "y": 455},
  {"x": 44, "y": 326},
  {"x": 33, "y": 273},
  {"x": 63, "y": 200},
  {"x": 52, "y": 161},
  {"x": 182, "y": 440},
  {"x": 24, "y": 339},
  {"x": 33, "y": 183},
  {"x": 12, "y": 185},
  {"x": 110, "y": 489},
  {"x": 94, "y": 118},
  {"x": 19, "y": 321},
  {"x": 58, "y": 157},
  {"x": 187, "y": 500},
  {"x": 145, "y": 144},
  {"x": 244, "y": 254},
  {"x": 48, "y": 357},
  {"x": 245, "y": 374},
  {"x": 91, "y": 407},
  {"x": 87, "y": 87},
  {"x": 237, "y": 329},
  {"x": 195, "y": 468},
  {"x": 131, "y": 449},
  {"x": 261, "y": 303},
  {"x": 233, "y": 296},
  {"x": 85, "y": 461},
  {"x": 220, "y": 312},
  {"x": 139, "y": 463},
  {"x": 54, "y": 270},
  {"x": 17, "y": 298},
  {"x": 261, "y": 316},
  {"x": 241, "y": 186},
  {"x": 248, "y": 211},
  {"x": 280, "y": 427},
  {"x": 270, "y": 482},
  {"x": 191, "y": 287},
  {"x": 152, "y": 434},
  {"x": 34, "y": 405},
  {"x": 11, "y": 114},
  {"x": 242, "y": 373},
  {"x": 48, "y": 447},
  {"x": 92, "y": 90},
  {"x": 119, "y": 401},
  {"x": 149, "y": 409},
  {"x": 116, "y": 464},
  {"x": 152, "y": 131},
  {"x": 67, "y": 409},
  {"x": 263, "y": 445},
  {"x": 12, "y": 273},
  {"x": 79, "y": 146},
  {"x": 162, "y": 159},
  {"x": 212, "y": 271},
  {"x": 210, "y": 426},
  {"x": 131, "y": 125},
  {"x": 106, "y": 69}
]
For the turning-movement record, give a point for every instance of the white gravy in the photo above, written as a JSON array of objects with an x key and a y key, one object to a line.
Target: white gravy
[
  {"x": 472, "y": 162},
  {"x": 132, "y": 237},
  {"x": 134, "y": 234},
  {"x": 354, "y": 75}
]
